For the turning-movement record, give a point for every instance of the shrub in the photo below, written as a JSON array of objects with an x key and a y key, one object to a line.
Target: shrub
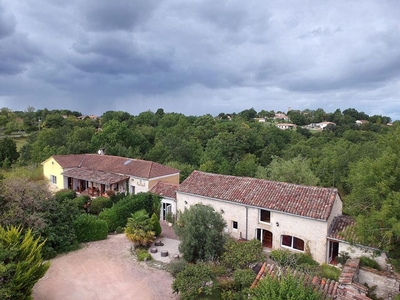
[
  {"x": 98, "y": 204},
  {"x": 21, "y": 263},
  {"x": 239, "y": 255},
  {"x": 139, "y": 228},
  {"x": 330, "y": 272},
  {"x": 111, "y": 217},
  {"x": 65, "y": 194},
  {"x": 243, "y": 278},
  {"x": 156, "y": 224},
  {"x": 88, "y": 228},
  {"x": 284, "y": 287},
  {"x": 143, "y": 255},
  {"x": 343, "y": 257},
  {"x": 119, "y": 229},
  {"x": 369, "y": 262},
  {"x": 119, "y": 213},
  {"x": 195, "y": 281},
  {"x": 81, "y": 201},
  {"x": 300, "y": 261},
  {"x": 177, "y": 266}
]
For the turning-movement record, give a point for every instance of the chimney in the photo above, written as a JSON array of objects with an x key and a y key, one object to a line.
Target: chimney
[{"x": 101, "y": 151}]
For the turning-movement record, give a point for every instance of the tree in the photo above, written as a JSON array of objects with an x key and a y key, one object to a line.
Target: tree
[
  {"x": 247, "y": 166},
  {"x": 8, "y": 150},
  {"x": 284, "y": 287},
  {"x": 21, "y": 202},
  {"x": 239, "y": 255},
  {"x": 155, "y": 221},
  {"x": 194, "y": 281},
  {"x": 21, "y": 263},
  {"x": 296, "y": 170},
  {"x": 200, "y": 229},
  {"x": 140, "y": 228}
]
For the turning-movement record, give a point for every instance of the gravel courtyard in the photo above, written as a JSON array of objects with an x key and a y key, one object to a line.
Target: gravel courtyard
[{"x": 103, "y": 270}]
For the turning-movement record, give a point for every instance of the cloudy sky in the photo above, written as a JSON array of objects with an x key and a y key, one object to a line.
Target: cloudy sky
[{"x": 200, "y": 56}]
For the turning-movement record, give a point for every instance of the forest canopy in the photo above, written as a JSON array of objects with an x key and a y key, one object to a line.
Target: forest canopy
[{"x": 360, "y": 158}]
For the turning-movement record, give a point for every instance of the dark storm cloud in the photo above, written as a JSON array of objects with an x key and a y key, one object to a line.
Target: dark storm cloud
[
  {"x": 7, "y": 22},
  {"x": 16, "y": 50},
  {"x": 200, "y": 56},
  {"x": 124, "y": 15}
]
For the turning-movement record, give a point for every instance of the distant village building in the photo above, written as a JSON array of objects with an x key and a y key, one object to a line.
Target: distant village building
[
  {"x": 361, "y": 122},
  {"x": 319, "y": 126},
  {"x": 281, "y": 117},
  {"x": 286, "y": 126},
  {"x": 260, "y": 120}
]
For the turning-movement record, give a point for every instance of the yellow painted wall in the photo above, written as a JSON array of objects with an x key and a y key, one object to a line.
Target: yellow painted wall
[{"x": 51, "y": 167}]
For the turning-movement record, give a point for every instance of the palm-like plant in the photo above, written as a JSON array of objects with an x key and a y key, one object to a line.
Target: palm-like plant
[{"x": 139, "y": 228}]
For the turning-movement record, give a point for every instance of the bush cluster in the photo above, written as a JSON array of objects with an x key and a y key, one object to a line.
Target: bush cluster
[
  {"x": 299, "y": 261},
  {"x": 65, "y": 194},
  {"x": 118, "y": 214},
  {"x": 369, "y": 262},
  {"x": 98, "y": 204},
  {"x": 88, "y": 228},
  {"x": 143, "y": 255},
  {"x": 177, "y": 266}
]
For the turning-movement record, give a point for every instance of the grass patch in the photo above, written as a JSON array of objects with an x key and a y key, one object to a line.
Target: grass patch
[
  {"x": 369, "y": 262},
  {"x": 330, "y": 272},
  {"x": 20, "y": 141}
]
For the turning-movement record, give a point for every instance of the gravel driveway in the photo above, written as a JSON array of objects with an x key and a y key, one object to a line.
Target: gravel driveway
[{"x": 103, "y": 270}]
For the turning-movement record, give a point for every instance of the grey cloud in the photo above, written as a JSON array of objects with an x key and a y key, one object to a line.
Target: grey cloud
[
  {"x": 16, "y": 53},
  {"x": 107, "y": 15},
  {"x": 7, "y": 22}
]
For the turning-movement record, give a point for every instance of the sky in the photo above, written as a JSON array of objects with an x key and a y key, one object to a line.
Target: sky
[{"x": 200, "y": 56}]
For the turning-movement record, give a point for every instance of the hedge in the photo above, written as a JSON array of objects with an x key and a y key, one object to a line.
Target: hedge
[
  {"x": 88, "y": 228},
  {"x": 98, "y": 204},
  {"x": 118, "y": 214}
]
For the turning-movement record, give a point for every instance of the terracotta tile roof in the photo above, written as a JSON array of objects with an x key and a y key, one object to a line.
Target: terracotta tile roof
[
  {"x": 115, "y": 164},
  {"x": 69, "y": 161},
  {"x": 329, "y": 289},
  {"x": 95, "y": 176},
  {"x": 342, "y": 228},
  {"x": 306, "y": 201},
  {"x": 165, "y": 189}
]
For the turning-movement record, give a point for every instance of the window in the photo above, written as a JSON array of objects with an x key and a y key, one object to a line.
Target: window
[
  {"x": 292, "y": 242},
  {"x": 265, "y": 216},
  {"x": 234, "y": 225},
  {"x": 53, "y": 179}
]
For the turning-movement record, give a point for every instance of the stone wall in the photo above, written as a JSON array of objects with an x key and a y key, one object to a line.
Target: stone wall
[{"x": 386, "y": 283}]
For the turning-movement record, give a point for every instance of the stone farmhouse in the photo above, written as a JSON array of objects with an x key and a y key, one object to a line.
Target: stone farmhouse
[
  {"x": 95, "y": 174},
  {"x": 280, "y": 215}
]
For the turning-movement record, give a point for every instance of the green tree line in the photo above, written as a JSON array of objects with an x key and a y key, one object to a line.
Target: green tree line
[{"x": 361, "y": 161}]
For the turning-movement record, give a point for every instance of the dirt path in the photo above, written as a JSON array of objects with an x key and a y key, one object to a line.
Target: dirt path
[{"x": 103, "y": 270}]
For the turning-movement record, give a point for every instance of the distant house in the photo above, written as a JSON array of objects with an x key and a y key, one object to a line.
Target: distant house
[
  {"x": 319, "y": 126},
  {"x": 361, "y": 122},
  {"x": 260, "y": 120},
  {"x": 285, "y": 126},
  {"x": 323, "y": 125},
  {"x": 280, "y": 215},
  {"x": 167, "y": 192},
  {"x": 94, "y": 174},
  {"x": 281, "y": 117}
]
